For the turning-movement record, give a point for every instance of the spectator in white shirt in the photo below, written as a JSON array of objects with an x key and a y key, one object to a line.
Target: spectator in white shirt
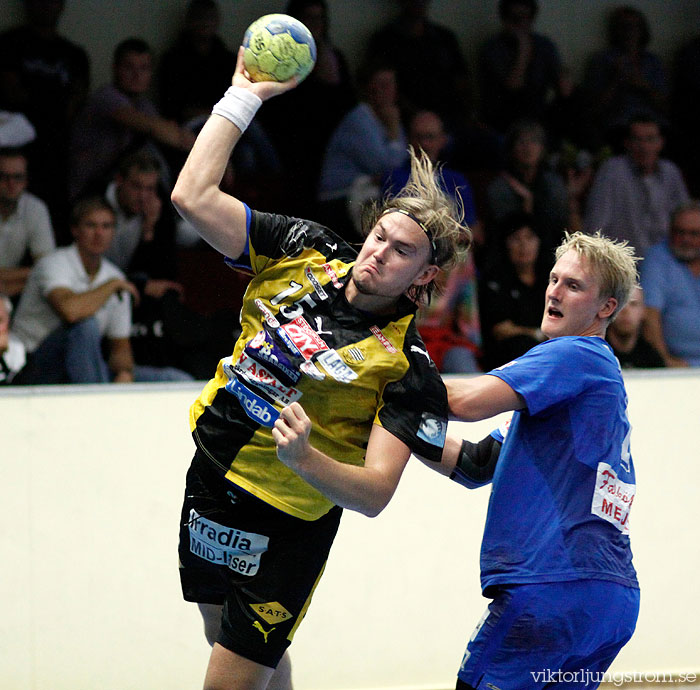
[
  {"x": 73, "y": 299},
  {"x": 25, "y": 224}
]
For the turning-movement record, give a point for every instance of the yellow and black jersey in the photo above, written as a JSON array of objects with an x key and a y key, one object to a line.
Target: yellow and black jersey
[{"x": 302, "y": 341}]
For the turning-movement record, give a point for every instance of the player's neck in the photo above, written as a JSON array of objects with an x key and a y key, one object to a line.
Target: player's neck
[{"x": 372, "y": 304}]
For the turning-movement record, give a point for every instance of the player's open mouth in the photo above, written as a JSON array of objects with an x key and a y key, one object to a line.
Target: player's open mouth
[{"x": 554, "y": 313}]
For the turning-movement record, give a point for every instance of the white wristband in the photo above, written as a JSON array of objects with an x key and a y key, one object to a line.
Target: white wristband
[{"x": 238, "y": 106}]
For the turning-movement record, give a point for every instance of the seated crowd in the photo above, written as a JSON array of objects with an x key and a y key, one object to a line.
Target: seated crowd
[{"x": 101, "y": 281}]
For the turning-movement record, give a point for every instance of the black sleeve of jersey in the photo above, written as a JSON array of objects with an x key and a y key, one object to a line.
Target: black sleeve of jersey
[
  {"x": 274, "y": 236},
  {"x": 415, "y": 407},
  {"x": 476, "y": 462}
]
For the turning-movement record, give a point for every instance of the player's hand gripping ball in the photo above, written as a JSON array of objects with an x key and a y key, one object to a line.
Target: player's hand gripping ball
[{"x": 277, "y": 48}]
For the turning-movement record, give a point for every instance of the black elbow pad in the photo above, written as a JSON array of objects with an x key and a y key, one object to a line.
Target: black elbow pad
[{"x": 476, "y": 462}]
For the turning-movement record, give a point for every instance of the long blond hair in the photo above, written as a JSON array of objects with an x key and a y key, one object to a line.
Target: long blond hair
[{"x": 441, "y": 216}]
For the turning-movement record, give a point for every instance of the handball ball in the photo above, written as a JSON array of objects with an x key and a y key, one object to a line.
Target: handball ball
[{"x": 277, "y": 48}]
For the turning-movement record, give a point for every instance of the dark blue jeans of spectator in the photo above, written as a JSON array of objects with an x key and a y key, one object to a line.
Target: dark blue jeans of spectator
[
  {"x": 70, "y": 354},
  {"x": 144, "y": 373}
]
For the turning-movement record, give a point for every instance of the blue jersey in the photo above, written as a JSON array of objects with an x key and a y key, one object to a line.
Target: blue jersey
[{"x": 564, "y": 482}]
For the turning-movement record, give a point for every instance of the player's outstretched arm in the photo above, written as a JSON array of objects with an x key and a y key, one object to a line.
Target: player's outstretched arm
[
  {"x": 476, "y": 462},
  {"x": 218, "y": 217},
  {"x": 469, "y": 464},
  {"x": 482, "y": 397},
  {"x": 366, "y": 489}
]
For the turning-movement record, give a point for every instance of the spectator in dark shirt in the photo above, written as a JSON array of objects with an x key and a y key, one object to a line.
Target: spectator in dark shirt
[
  {"x": 449, "y": 325},
  {"x": 197, "y": 68},
  {"x": 511, "y": 292},
  {"x": 624, "y": 334},
  {"x": 624, "y": 80},
  {"x": 144, "y": 248},
  {"x": 527, "y": 184},
  {"x": 120, "y": 118},
  {"x": 431, "y": 71},
  {"x": 685, "y": 139},
  {"x": 300, "y": 126},
  {"x": 519, "y": 70},
  {"x": 46, "y": 77}
]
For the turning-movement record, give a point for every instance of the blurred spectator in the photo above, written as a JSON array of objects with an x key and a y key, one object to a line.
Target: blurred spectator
[
  {"x": 144, "y": 248},
  {"x": 686, "y": 113},
  {"x": 670, "y": 277},
  {"x": 260, "y": 175},
  {"x": 197, "y": 69},
  {"x": 426, "y": 131},
  {"x": 331, "y": 67},
  {"x": 301, "y": 124},
  {"x": 120, "y": 118},
  {"x": 430, "y": 69},
  {"x": 624, "y": 334},
  {"x": 512, "y": 290},
  {"x": 519, "y": 70},
  {"x": 576, "y": 167},
  {"x": 46, "y": 77},
  {"x": 25, "y": 224},
  {"x": 368, "y": 143},
  {"x": 529, "y": 186},
  {"x": 73, "y": 299},
  {"x": 12, "y": 354},
  {"x": 144, "y": 238},
  {"x": 449, "y": 325},
  {"x": 633, "y": 195},
  {"x": 624, "y": 80}
]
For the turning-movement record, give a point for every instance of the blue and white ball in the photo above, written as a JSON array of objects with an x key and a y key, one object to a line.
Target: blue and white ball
[{"x": 277, "y": 48}]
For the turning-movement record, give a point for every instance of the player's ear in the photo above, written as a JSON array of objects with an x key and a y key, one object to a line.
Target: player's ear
[
  {"x": 429, "y": 274},
  {"x": 607, "y": 308}
]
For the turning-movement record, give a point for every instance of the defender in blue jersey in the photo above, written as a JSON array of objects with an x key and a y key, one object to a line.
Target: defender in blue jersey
[{"x": 555, "y": 556}]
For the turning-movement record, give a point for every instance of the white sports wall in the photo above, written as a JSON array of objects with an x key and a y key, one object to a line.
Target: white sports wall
[
  {"x": 89, "y": 593},
  {"x": 577, "y": 26}
]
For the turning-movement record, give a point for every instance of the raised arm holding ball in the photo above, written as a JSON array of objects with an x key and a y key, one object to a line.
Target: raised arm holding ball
[{"x": 327, "y": 392}]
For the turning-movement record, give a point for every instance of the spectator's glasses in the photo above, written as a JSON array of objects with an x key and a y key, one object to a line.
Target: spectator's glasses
[{"x": 12, "y": 177}]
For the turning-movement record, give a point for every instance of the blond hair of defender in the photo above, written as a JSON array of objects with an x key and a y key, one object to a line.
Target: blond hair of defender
[{"x": 615, "y": 264}]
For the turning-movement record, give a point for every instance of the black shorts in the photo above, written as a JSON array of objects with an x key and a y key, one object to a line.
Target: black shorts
[{"x": 260, "y": 563}]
